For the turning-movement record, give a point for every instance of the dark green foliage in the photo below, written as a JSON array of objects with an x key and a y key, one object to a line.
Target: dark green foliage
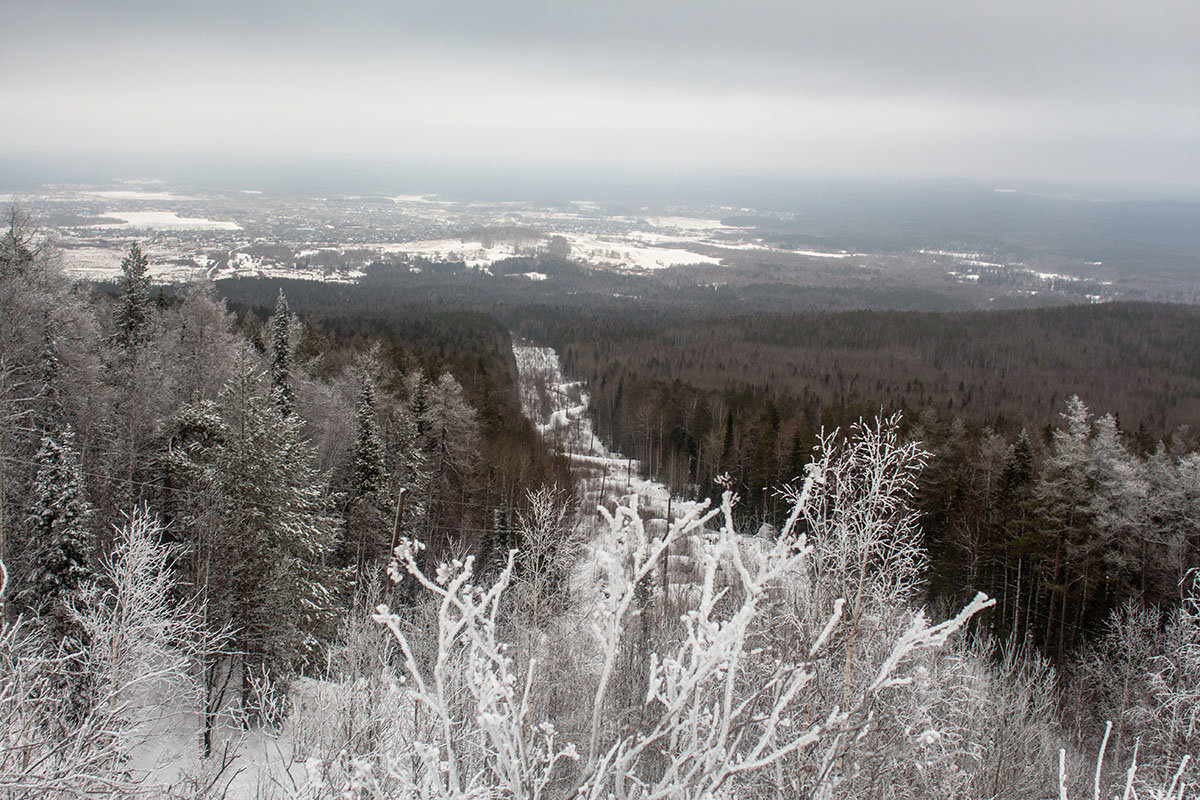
[
  {"x": 425, "y": 339},
  {"x": 281, "y": 357},
  {"x": 262, "y": 532},
  {"x": 369, "y": 461},
  {"x": 132, "y": 315},
  {"x": 59, "y": 537},
  {"x": 369, "y": 509}
]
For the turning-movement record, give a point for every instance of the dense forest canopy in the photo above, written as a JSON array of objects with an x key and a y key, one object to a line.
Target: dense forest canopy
[{"x": 946, "y": 545}]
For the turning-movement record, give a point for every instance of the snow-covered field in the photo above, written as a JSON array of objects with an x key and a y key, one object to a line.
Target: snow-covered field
[
  {"x": 104, "y": 264},
  {"x": 166, "y": 220},
  {"x": 628, "y": 254},
  {"x": 474, "y": 254}
]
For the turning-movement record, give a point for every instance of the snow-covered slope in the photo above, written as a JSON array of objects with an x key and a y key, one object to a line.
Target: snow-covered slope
[
  {"x": 559, "y": 409},
  {"x": 602, "y": 477}
]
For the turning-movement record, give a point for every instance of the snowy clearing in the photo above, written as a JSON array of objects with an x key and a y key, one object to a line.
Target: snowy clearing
[
  {"x": 559, "y": 409},
  {"x": 690, "y": 223},
  {"x": 166, "y": 220},
  {"x": 472, "y": 253},
  {"x": 623, "y": 253}
]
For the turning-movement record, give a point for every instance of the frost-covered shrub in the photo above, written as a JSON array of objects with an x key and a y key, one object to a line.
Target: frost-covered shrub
[
  {"x": 142, "y": 646},
  {"x": 1143, "y": 676},
  {"x": 772, "y": 678}
]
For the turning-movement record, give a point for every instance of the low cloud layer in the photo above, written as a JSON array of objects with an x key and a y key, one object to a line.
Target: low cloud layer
[{"x": 1079, "y": 91}]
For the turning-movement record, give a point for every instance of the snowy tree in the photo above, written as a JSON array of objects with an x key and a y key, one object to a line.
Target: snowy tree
[
  {"x": 281, "y": 357},
  {"x": 1065, "y": 492},
  {"x": 1120, "y": 497},
  {"x": 1172, "y": 506},
  {"x": 448, "y": 436},
  {"x": 1143, "y": 676},
  {"x": 1095, "y": 495},
  {"x": 547, "y": 551},
  {"x": 62, "y": 541},
  {"x": 143, "y": 644},
  {"x": 131, "y": 319},
  {"x": 369, "y": 461},
  {"x": 200, "y": 352},
  {"x": 48, "y": 372},
  {"x": 369, "y": 508},
  {"x": 262, "y": 537},
  {"x": 725, "y": 715}
]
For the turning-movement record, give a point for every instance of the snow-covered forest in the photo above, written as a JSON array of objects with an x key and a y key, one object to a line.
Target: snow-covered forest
[{"x": 249, "y": 557}]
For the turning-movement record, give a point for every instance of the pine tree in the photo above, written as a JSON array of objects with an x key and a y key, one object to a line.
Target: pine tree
[
  {"x": 281, "y": 357},
  {"x": 132, "y": 316},
  {"x": 61, "y": 539}
]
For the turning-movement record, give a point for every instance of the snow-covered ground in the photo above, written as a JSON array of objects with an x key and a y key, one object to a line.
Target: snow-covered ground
[
  {"x": 165, "y": 220},
  {"x": 474, "y": 254},
  {"x": 627, "y": 253},
  {"x": 559, "y": 409},
  {"x": 603, "y": 477}
]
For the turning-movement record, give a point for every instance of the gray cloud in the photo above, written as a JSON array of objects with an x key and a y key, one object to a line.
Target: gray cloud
[{"x": 1057, "y": 89}]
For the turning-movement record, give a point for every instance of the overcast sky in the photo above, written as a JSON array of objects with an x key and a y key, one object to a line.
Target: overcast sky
[{"x": 1101, "y": 91}]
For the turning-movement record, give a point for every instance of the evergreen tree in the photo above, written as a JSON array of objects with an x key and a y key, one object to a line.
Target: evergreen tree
[
  {"x": 449, "y": 438},
  {"x": 1018, "y": 469},
  {"x": 368, "y": 446},
  {"x": 60, "y": 536},
  {"x": 132, "y": 316},
  {"x": 281, "y": 357},
  {"x": 17, "y": 250},
  {"x": 49, "y": 394},
  {"x": 368, "y": 507},
  {"x": 263, "y": 537}
]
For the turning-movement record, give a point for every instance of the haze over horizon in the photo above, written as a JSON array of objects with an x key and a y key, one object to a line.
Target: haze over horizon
[{"x": 1066, "y": 91}]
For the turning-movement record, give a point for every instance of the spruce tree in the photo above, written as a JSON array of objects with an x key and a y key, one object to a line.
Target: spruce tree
[
  {"x": 132, "y": 316},
  {"x": 368, "y": 507},
  {"x": 264, "y": 537},
  {"x": 60, "y": 536},
  {"x": 49, "y": 393},
  {"x": 281, "y": 357},
  {"x": 368, "y": 446}
]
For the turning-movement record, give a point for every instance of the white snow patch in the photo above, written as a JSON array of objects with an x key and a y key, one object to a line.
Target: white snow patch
[
  {"x": 102, "y": 264},
  {"x": 820, "y": 254},
  {"x": 535, "y": 276},
  {"x": 950, "y": 253},
  {"x": 618, "y": 253},
  {"x": 422, "y": 199},
  {"x": 472, "y": 253},
  {"x": 165, "y": 220},
  {"x": 689, "y": 223},
  {"x": 1054, "y": 276}
]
